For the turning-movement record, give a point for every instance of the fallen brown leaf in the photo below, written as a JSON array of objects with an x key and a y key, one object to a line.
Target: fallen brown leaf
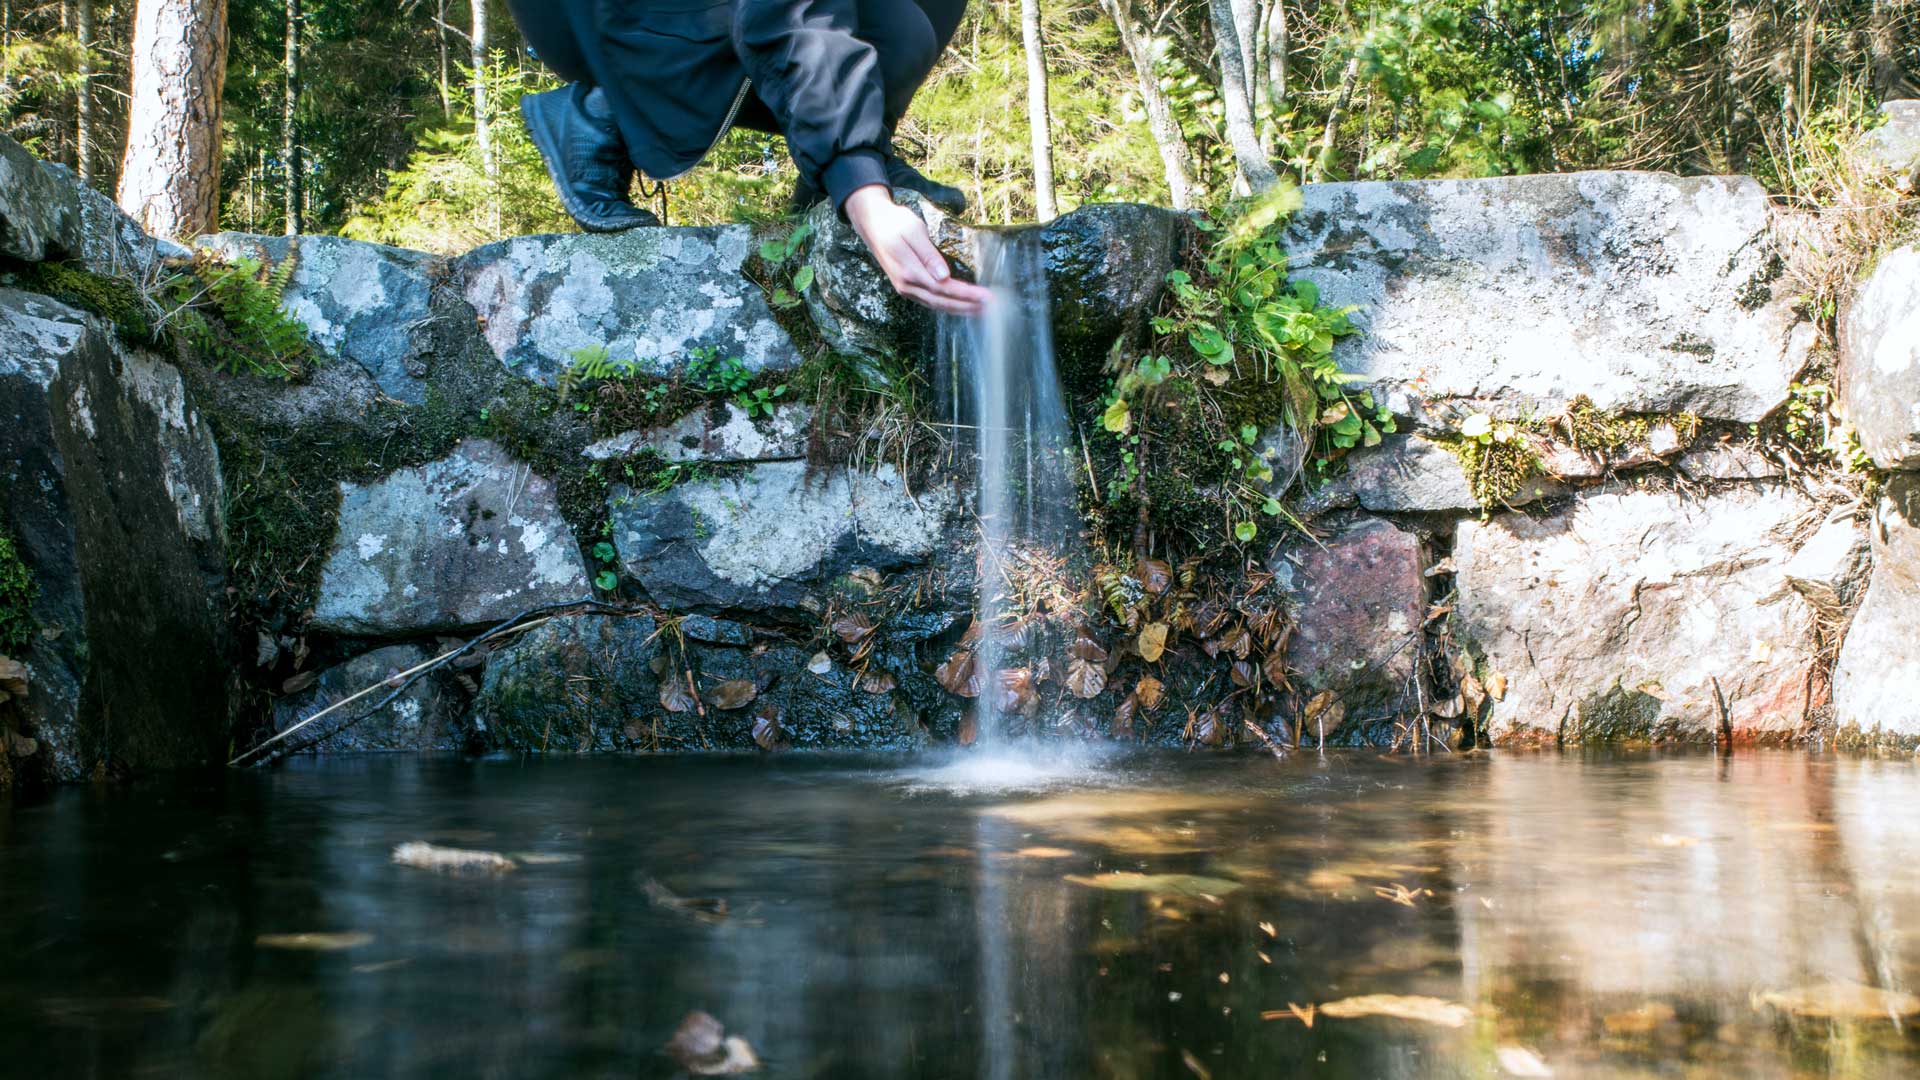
[
  {"x": 1152, "y": 642},
  {"x": 732, "y": 694}
]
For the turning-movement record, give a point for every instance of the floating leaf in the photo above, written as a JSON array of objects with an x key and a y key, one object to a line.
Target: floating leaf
[
  {"x": 1426, "y": 1010},
  {"x": 674, "y": 696},
  {"x": 732, "y": 694},
  {"x": 1149, "y": 690},
  {"x": 1191, "y": 885},
  {"x": 960, "y": 675},
  {"x": 1043, "y": 852},
  {"x": 1153, "y": 641},
  {"x": 852, "y": 627},
  {"x": 1085, "y": 678}
]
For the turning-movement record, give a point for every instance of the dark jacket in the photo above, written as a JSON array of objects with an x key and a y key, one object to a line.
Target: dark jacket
[{"x": 679, "y": 72}]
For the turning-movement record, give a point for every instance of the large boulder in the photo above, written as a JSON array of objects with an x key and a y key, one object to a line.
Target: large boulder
[
  {"x": 767, "y": 539},
  {"x": 457, "y": 544},
  {"x": 585, "y": 683},
  {"x": 1880, "y": 361},
  {"x": 648, "y": 296},
  {"x": 429, "y": 715},
  {"x": 46, "y": 212},
  {"x": 1894, "y": 146},
  {"x": 1359, "y": 601},
  {"x": 367, "y": 303},
  {"x": 1876, "y": 683},
  {"x": 1642, "y": 615},
  {"x": 110, "y": 488},
  {"x": 1645, "y": 292}
]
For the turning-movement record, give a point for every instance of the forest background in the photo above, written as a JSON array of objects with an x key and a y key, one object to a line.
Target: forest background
[{"x": 396, "y": 122}]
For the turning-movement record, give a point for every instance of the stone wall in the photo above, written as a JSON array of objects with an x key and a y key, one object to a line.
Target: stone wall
[{"x": 222, "y": 556}]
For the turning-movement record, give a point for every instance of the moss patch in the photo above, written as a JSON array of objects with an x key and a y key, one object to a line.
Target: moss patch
[
  {"x": 1495, "y": 470},
  {"x": 17, "y": 592},
  {"x": 119, "y": 302}
]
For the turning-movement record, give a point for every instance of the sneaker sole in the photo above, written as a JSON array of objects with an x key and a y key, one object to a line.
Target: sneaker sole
[{"x": 542, "y": 136}]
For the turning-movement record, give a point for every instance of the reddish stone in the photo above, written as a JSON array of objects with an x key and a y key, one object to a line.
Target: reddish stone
[{"x": 1360, "y": 598}]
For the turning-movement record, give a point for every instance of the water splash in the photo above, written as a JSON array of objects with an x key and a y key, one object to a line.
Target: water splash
[{"x": 1001, "y": 391}]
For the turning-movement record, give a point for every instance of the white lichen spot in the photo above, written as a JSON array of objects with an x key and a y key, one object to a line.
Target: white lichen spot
[{"x": 370, "y": 544}]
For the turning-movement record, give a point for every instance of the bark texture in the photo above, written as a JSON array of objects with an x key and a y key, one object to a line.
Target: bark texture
[
  {"x": 1038, "y": 122},
  {"x": 170, "y": 179},
  {"x": 1255, "y": 169},
  {"x": 1174, "y": 156}
]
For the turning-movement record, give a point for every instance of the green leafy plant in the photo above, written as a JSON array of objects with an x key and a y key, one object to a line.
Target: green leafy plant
[
  {"x": 229, "y": 311},
  {"x": 17, "y": 592},
  {"x": 760, "y": 400},
  {"x": 778, "y": 252},
  {"x": 710, "y": 373},
  {"x": 592, "y": 364}
]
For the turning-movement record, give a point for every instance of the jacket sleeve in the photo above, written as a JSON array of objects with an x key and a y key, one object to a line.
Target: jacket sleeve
[{"x": 823, "y": 85}]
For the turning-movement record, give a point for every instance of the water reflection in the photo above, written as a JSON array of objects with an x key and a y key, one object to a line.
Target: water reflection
[{"x": 1143, "y": 917}]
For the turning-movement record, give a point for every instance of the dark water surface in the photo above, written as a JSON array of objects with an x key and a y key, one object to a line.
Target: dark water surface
[{"x": 1678, "y": 916}]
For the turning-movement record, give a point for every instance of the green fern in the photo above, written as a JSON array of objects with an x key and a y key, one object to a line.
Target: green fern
[{"x": 230, "y": 312}]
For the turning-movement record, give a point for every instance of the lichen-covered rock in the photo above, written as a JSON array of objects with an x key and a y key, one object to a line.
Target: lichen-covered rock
[
  {"x": 851, "y": 302},
  {"x": 1647, "y": 293},
  {"x": 456, "y": 544},
  {"x": 1880, "y": 361},
  {"x": 46, "y": 212},
  {"x": 428, "y": 716},
  {"x": 110, "y": 488},
  {"x": 719, "y": 432},
  {"x": 1410, "y": 474},
  {"x": 1359, "y": 600},
  {"x": 1829, "y": 568},
  {"x": 1876, "y": 683},
  {"x": 769, "y": 538},
  {"x": 648, "y": 296},
  {"x": 1729, "y": 461},
  {"x": 584, "y": 683},
  {"x": 39, "y": 212},
  {"x": 1894, "y": 146},
  {"x": 1615, "y": 619},
  {"x": 367, "y": 303}
]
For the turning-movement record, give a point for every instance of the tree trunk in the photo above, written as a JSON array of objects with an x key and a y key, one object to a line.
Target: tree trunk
[
  {"x": 1884, "y": 72},
  {"x": 83, "y": 101},
  {"x": 1160, "y": 120},
  {"x": 1037, "y": 121},
  {"x": 1279, "y": 42},
  {"x": 1347, "y": 80},
  {"x": 170, "y": 178},
  {"x": 482, "y": 125},
  {"x": 1255, "y": 169},
  {"x": 290, "y": 123}
]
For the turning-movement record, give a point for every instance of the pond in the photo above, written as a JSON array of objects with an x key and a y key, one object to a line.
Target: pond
[{"x": 1476, "y": 915}]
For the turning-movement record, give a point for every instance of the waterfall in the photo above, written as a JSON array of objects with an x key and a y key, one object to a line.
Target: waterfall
[{"x": 1002, "y": 394}]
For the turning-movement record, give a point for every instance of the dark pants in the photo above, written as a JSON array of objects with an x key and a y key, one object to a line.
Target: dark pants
[{"x": 907, "y": 36}]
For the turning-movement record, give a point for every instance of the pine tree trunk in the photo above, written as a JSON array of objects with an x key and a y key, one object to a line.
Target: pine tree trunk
[
  {"x": 170, "y": 177},
  {"x": 290, "y": 153},
  {"x": 83, "y": 102},
  {"x": 1255, "y": 169},
  {"x": 1160, "y": 120},
  {"x": 1037, "y": 120}
]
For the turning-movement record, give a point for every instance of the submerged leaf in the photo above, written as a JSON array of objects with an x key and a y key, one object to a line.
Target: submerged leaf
[
  {"x": 423, "y": 856},
  {"x": 1426, "y": 1010},
  {"x": 315, "y": 942},
  {"x": 1157, "y": 884},
  {"x": 703, "y": 1048}
]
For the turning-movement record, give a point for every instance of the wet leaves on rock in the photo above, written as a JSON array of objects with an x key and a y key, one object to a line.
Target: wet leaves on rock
[{"x": 732, "y": 694}]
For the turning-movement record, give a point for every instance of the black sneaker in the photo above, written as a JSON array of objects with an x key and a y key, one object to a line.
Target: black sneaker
[
  {"x": 945, "y": 196},
  {"x": 574, "y": 131}
]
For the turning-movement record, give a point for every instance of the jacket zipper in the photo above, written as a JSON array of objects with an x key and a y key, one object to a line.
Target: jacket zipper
[{"x": 726, "y": 126}]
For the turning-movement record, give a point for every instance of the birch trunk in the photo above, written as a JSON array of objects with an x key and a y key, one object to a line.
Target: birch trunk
[
  {"x": 290, "y": 153},
  {"x": 170, "y": 177},
  {"x": 1174, "y": 156},
  {"x": 1348, "y": 78},
  {"x": 482, "y": 123},
  {"x": 1255, "y": 169},
  {"x": 1038, "y": 122},
  {"x": 83, "y": 103}
]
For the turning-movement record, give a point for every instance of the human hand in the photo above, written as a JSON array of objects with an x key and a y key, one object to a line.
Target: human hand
[{"x": 899, "y": 242}]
